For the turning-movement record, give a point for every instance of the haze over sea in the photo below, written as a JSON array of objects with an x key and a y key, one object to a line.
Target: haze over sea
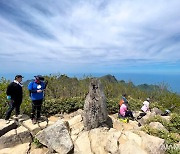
[{"x": 172, "y": 81}]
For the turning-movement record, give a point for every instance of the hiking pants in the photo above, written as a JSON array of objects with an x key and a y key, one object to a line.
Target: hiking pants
[
  {"x": 13, "y": 104},
  {"x": 129, "y": 114},
  {"x": 141, "y": 115},
  {"x": 36, "y": 109}
]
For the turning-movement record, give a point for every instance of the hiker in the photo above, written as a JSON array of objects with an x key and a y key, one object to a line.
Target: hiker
[
  {"x": 124, "y": 112},
  {"x": 166, "y": 113},
  {"x": 144, "y": 108},
  {"x": 123, "y": 100},
  {"x": 14, "y": 96},
  {"x": 36, "y": 89}
]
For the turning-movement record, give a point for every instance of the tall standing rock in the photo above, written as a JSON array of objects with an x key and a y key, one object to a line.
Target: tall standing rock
[{"x": 95, "y": 109}]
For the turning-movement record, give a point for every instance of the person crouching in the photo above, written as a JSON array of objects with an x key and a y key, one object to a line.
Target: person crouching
[{"x": 124, "y": 112}]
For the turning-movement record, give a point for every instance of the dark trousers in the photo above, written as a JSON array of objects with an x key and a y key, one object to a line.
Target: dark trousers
[
  {"x": 129, "y": 114},
  {"x": 36, "y": 109},
  {"x": 141, "y": 115},
  {"x": 13, "y": 105}
]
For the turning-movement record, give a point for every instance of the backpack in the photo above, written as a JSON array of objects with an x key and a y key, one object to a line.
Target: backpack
[{"x": 121, "y": 102}]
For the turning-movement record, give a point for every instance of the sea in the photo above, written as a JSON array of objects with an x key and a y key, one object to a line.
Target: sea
[{"x": 171, "y": 81}]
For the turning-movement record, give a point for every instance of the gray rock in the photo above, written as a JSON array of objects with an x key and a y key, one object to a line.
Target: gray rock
[
  {"x": 4, "y": 128},
  {"x": 157, "y": 125},
  {"x": 95, "y": 109},
  {"x": 56, "y": 137},
  {"x": 156, "y": 111},
  {"x": 152, "y": 144},
  {"x": 15, "y": 137},
  {"x": 144, "y": 119}
]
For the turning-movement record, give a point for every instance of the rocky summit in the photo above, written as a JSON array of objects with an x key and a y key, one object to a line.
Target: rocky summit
[{"x": 66, "y": 134}]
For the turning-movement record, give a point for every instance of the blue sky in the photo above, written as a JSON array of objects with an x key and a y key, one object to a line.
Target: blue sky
[{"x": 89, "y": 36}]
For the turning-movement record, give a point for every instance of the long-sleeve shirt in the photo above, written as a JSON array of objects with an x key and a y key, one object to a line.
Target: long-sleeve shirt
[
  {"x": 123, "y": 109},
  {"x": 145, "y": 106},
  {"x": 33, "y": 87},
  {"x": 14, "y": 90}
]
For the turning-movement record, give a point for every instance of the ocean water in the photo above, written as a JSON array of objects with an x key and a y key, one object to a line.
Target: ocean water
[{"x": 172, "y": 81}]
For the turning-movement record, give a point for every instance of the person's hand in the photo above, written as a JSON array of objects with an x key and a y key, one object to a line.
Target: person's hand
[
  {"x": 8, "y": 97},
  {"x": 39, "y": 91}
]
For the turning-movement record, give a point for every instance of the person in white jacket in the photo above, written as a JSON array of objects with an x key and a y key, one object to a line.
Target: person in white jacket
[{"x": 144, "y": 108}]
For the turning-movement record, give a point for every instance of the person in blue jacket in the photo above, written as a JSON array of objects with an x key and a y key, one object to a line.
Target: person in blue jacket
[{"x": 36, "y": 89}]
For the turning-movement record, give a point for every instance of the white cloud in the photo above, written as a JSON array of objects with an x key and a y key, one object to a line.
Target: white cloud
[{"x": 70, "y": 35}]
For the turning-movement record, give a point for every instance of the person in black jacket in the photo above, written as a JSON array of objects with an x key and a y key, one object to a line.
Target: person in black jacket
[{"x": 14, "y": 95}]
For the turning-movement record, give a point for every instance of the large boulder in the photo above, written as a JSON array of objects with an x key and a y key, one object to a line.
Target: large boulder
[
  {"x": 131, "y": 147},
  {"x": 144, "y": 119},
  {"x": 152, "y": 144},
  {"x": 56, "y": 137},
  {"x": 158, "y": 125},
  {"x": 76, "y": 126},
  {"x": 82, "y": 144},
  {"x": 15, "y": 137},
  {"x": 18, "y": 149},
  {"x": 156, "y": 111},
  {"x": 95, "y": 108},
  {"x": 99, "y": 140}
]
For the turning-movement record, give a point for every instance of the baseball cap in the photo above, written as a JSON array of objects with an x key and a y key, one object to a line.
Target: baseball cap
[
  {"x": 18, "y": 76},
  {"x": 39, "y": 77}
]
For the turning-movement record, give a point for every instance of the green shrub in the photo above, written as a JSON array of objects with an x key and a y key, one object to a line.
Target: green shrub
[
  {"x": 112, "y": 105},
  {"x": 172, "y": 126},
  {"x": 37, "y": 143},
  {"x": 170, "y": 138},
  {"x": 54, "y": 106}
]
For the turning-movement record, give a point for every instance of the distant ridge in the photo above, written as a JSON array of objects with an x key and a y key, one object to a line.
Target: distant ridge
[
  {"x": 109, "y": 78},
  {"x": 147, "y": 87}
]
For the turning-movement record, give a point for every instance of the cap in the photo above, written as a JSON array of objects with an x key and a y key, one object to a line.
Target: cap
[
  {"x": 18, "y": 76},
  {"x": 39, "y": 77},
  {"x": 124, "y": 94},
  {"x": 148, "y": 99}
]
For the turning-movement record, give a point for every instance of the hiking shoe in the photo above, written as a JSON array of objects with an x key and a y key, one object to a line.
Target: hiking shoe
[
  {"x": 132, "y": 118},
  {"x": 34, "y": 121},
  {"x": 7, "y": 121},
  {"x": 139, "y": 125},
  {"x": 41, "y": 119},
  {"x": 19, "y": 116}
]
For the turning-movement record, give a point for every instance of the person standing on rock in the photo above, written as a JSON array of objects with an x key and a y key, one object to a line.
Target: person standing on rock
[
  {"x": 14, "y": 95},
  {"x": 36, "y": 89}
]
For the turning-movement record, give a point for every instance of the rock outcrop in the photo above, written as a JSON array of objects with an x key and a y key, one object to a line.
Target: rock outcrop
[
  {"x": 95, "y": 109},
  {"x": 56, "y": 137},
  {"x": 4, "y": 128},
  {"x": 67, "y": 135}
]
